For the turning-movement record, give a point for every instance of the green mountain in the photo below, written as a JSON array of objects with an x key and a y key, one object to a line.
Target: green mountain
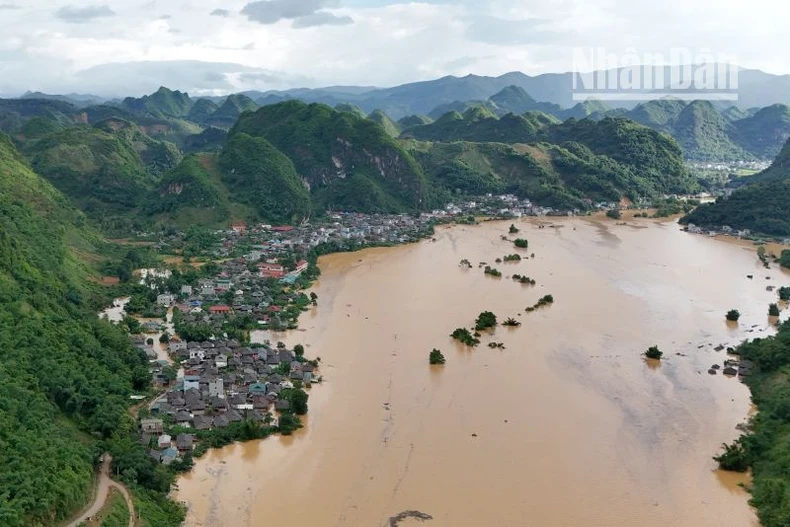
[
  {"x": 230, "y": 110},
  {"x": 350, "y": 108},
  {"x": 764, "y": 132},
  {"x": 202, "y": 110},
  {"x": 348, "y": 162},
  {"x": 513, "y": 99},
  {"x": 481, "y": 125},
  {"x": 106, "y": 168},
  {"x": 162, "y": 103},
  {"x": 259, "y": 175},
  {"x": 589, "y": 108},
  {"x": 462, "y": 107},
  {"x": 411, "y": 121},
  {"x": 705, "y": 135},
  {"x": 187, "y": 185},
  {"x": 384, "y": 121},
  {"x": 660, "y": 114},
  {"x": 65, "y": 376},
  {"x": 15, "y": 112},
  {"x": 762, "y": 205}
]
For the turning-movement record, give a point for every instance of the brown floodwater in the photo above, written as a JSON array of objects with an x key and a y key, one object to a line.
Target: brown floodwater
[{"x": 567, "y": 426}]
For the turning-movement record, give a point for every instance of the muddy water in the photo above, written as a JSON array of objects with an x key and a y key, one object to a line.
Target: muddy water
[{"x": 567, "y": 426}]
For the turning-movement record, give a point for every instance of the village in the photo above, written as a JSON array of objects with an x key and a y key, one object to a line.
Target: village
[{"x": 204, "y": 331}]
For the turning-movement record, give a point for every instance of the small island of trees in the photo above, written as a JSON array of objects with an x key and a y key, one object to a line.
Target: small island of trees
[
  {"x": 465, "y": 337},
  {"x": 485, "y": 320},
  {"x": 733, "y": 315},
  {"x": 513, "y": 229},
  {"x": 654, "y": 353},
  {"x": 773, "y": 310},
  {"x": 493, "y": 271},
  {"x": 436, "y": 357},
  {"x": 523, "y": 279},
  {"x": 544, "y": 301},
  {"x": 521, "y": 243}
]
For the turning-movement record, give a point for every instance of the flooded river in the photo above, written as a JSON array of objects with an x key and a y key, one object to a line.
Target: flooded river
[{"x": 567, "y": 426}]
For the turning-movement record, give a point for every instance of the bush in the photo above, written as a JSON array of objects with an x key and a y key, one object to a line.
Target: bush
[
  {"x": 733, "y": 315},
  {"x": 521, "y": 243},
  {"x": 654, "y": 353},
  {"x": 513, "y": 229},
  {"x": 773, "y": 310},
  {"x": 464, "y": 336},
  {"x": 436, "y": 357},
  {"x": 485, "y": 320},
  {"x": 614, "y": 214}
]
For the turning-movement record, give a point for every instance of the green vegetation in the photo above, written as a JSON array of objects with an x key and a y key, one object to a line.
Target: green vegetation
[
  {"x": 614, "y": 214},
  {"x": 784, "y": 259},
  {"x": 513, "y": 229},
  {"x": 383, "y": 120},
  {"x": 65, "y": 375},
  {"x": 492, "y": 271},
  {"x": 436, "y": 357},
  {"x": 784, "y": 293},
  {"x": 773, "y": 310},
  {"x": 349, "y": 162},
  {"x": 521, "y": 243},
  {"x": 733, "y": 315},
  {"x": 764, "y": 448},
  {"x": 115, "y": 512},
  {"x": 187, "y": 185},
  {"x": 523, "y": 279},
  {"x": 543, "y": 301},
  {"x": 512, "y": 257},
  {"x": 464, "y": 336},
  {"x": 260, "y": 176},
  {"x": 163, "y": 103},
  {"x": 485, "y": 320},
  {"x": 511, "y": 322},
  {"x": 654, "y": 353}
]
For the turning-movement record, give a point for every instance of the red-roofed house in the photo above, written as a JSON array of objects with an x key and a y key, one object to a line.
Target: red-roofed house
[
  {"x": 271, "y": 270},
  {"x": 283, "y": 228},
  {"x": 301, "y": 266},
  {"x": 239, "y": 227},
  {"x": 219, "y": 309}
]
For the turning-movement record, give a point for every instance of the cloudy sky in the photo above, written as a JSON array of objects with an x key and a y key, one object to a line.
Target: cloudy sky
[{"x": 116, "y": 47}]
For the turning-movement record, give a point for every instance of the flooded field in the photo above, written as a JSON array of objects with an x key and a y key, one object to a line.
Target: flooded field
[{"x": 567, "y": 426}]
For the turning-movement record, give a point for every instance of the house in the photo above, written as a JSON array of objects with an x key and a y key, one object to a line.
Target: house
[
  {"x": 219, "y": 309},
  {"x": 216, "y": 388},
  {"x": 152, "y": 426},
  {"x": 203, "y": 422},
  {"x": 239, "y": 227},
  {"x": 271, "y": 270},
  {"x": 257, "y": 388},
  {"x": 185, "y": 442},
  {"x": 191, "y": 382},
  {"x": 168, "y": 455},
  {"x": 164, "y": 441},
  {"x": 221, "y": 361},
  {"x": 183, "y": 417},
  {"x": 176, "y": 344},
  {"x": 301, "y": 266},
  {"x": 186, "y": 290},
  {"x": 282, "y": 405},
  {"x": 165, "y": 300}
]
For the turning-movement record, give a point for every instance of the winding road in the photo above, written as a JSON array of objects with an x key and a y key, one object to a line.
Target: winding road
[{"x": 103, "y": 486}]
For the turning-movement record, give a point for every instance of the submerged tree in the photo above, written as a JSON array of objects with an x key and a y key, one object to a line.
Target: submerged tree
[
  {"x": 521, "y": 243},
  {"x": 485, "y": 320},
  {"x": 436, "y": 357},
  {"x": 773, "y": 310},
  {"x": 513, "y": 229},
  {"x": 733, "y": 315},
  {"x": 654, "y": 353}
]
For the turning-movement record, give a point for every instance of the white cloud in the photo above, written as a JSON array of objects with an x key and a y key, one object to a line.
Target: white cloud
[{"x": 41, "y": 48}]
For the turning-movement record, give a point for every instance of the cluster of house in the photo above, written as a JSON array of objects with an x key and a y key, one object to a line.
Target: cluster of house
[
  {"x": 222, "y": 383},
  {"x": 725, "y": 230}
]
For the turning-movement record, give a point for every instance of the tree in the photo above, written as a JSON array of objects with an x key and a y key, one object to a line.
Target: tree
[
  {"x": 513, "y": 229},
  {"x": 150, "y": 341},
  {"x": 314, "y": 299},
  {"x": 784, "y": 258},
  {"x": 299, "y": 350},
  {"x": 298, "y": 399},
  {"x": 773, "y": 310},
  {"x": 280, "y": 345},
  {"x": 654, "y": 353},
  {"x": 521, "y": 243},
  {"x": 733, "y": 315},
  {"x": 614, "y": 214},
  {"x": 485, "y": 320},
  {"x": 436, "y": 357},
  {"x": 784, "y": 293},
  {"x": 164, "y": 338}
]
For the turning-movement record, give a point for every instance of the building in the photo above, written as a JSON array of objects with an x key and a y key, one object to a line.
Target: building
[
  {"x": 239, "y": 227},
  {"x": 152, "y": 426},
  {"x": 216, "y": 388},
  {"x": 271, "y": 270},
  {"x": 165, "y": 300},
  {"x": 219, "y": 309}
]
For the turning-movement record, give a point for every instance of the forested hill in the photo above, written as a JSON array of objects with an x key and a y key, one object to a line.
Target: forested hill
[
  {"x": 762, "y": 206},
  {"x": 65, "y": 376}
]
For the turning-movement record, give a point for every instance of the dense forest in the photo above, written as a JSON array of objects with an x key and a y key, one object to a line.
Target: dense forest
[
  {"x": 765, "y": 447},
  {"x": 65, "y": 375}
]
